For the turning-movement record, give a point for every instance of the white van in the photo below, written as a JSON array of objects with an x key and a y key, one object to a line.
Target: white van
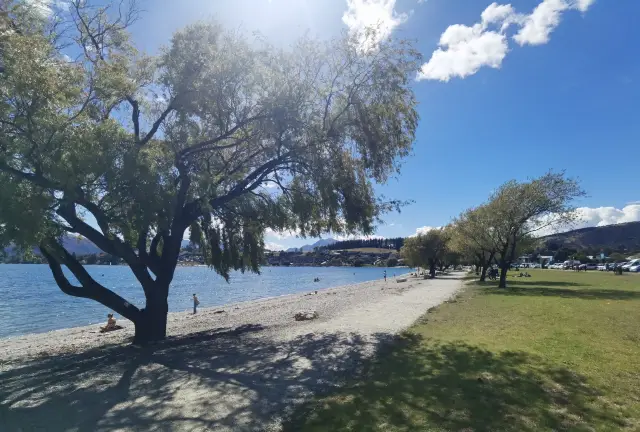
[{"x": 632, "y": 263}]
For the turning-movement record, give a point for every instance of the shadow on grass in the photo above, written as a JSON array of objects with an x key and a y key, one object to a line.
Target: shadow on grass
[
  {"x": 586, "y": 294},
  {"x": 524, "y": 282},
  {"x": 457, "y": 387},
  {"x": 224, "y": 379}
]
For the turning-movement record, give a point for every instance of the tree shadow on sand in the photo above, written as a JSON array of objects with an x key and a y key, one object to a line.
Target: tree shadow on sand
[
  {"x": 422, "y": 386},
  {"x": 221, "y": 379}
]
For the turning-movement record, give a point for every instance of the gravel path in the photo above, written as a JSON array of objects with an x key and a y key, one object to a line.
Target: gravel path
[{"x": 238, "y": 367}]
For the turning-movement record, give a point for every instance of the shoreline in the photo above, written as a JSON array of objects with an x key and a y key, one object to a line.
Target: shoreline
[
  {"x": 35, "y": 344},
  {"x": 21, "y": 327}
]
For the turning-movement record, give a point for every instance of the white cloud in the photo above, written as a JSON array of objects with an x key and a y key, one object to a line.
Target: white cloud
[
  {"x": 45, "y": 8},
  {"x": 542, "y": 21},
  {"x": 463, "y": 50},
  {"x": 366, "y": 14},
  {"x": 504, "y": 15},
  {"x": 602, "y": 216},
  {"x": 583, "y": 5},
  {"x": 274, "y": 246},
  {"x": 545, "y": 18},
  {"x": 40, "y": 7},
  {"x": 424, "y": 230},
  {"x": 281, "y": 235},
  {"x": 598, "y": 216}
]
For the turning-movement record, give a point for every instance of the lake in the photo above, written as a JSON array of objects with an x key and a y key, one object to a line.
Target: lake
[{"x": 31, "y": 302}]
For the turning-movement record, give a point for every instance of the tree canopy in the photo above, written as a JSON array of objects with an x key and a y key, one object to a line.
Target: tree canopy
[
  {"x": 508, "y": 222},
  {"x": 426, "y": 250},
  {"x": 220, "y": 133}
]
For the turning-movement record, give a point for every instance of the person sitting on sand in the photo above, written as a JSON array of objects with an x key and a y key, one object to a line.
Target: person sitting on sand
[{"x": 111, "y": 324}]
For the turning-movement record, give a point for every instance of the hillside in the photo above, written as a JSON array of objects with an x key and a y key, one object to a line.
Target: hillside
[
  {"x": 621, "y": 237},
  {"x": 311, "y": 247},
  {"x": 75, "y": 245}
]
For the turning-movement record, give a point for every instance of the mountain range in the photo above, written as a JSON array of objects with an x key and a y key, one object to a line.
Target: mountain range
[
  {"x": 79, "y": 246},
  {"x": 311, "y": 247},
  {"x": 624, "y": 236},
  {"x": 619, "y": 237}
]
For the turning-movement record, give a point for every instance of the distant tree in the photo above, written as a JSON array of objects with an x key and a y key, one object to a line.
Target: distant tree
[
  {"x": 521, "y": 209},
  {"x": 91, "y": 259},
  {"x": 150, "y": 146},
  {"x": 563, "y": 254},
  {"x": 471, "y": 238},
  {"x": 426, "y": 250},
  {"x": 392, "y": 262},
  {"x": 617, "y": 257}
]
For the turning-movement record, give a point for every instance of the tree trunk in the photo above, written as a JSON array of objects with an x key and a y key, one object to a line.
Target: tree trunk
[
  {"x": 483, "y": 274},
  {"x": 432, "y": 269},
  {"x": 503, "y": 276},
  {"x": 152, "y": 324}
]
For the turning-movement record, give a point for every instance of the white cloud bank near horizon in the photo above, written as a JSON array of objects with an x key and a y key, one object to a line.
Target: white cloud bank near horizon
[
  {"x": 588, "y": 217},
  {"x": 464, "y": 50}
]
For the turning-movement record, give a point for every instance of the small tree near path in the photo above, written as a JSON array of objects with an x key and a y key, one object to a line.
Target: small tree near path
[
  {"x": 519, "y": 210},
  {"x": 220, "y": 135},
  {"x": 470, "y": 237},
  {"x": 426, "y": 250}
]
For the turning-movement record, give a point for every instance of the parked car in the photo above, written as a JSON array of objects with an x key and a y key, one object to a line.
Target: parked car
[
  {"x": 592, "y": 266},
  {"x": 603, "y": 267},
  {"x": 570, "y": 264},
  {"x": 635, "y": 269},
  {"x": 632, "y": 263}
]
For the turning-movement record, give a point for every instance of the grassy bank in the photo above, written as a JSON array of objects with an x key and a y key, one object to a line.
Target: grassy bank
[{"x": 558, "y": 351}]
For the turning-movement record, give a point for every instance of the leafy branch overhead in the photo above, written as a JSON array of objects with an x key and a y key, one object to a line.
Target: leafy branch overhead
[{"x": 149, "y": 146}]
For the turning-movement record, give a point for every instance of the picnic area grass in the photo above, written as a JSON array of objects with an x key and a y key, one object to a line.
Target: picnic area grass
[{"x": 557, "y": 351}]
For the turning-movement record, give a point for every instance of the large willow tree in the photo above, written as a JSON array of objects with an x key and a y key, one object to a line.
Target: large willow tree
[{"x": 218, "y": 134}]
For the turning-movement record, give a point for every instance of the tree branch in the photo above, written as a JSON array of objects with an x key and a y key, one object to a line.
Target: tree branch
[
  {"x": 109, "y": 244},
  {"x": 157, "y": 124},
  {"x": 56, "y": 255},
  {"x": 204, "y": 145}
]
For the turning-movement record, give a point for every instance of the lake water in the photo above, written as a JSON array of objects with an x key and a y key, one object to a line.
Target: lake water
[{"x": 31, "y": 302}]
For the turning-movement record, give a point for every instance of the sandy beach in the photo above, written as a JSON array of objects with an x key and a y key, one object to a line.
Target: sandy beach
[{"x": 237, "y": 367}]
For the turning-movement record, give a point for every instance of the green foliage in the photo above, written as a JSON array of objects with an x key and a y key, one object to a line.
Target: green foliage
[
  {"x": 425, "y": 250},
  {"x": 150, "y": 146},
  {"x": 392, "y": 262}
]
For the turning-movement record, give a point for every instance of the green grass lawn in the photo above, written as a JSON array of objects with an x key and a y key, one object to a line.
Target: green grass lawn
[{"x": 557, "y": 351}]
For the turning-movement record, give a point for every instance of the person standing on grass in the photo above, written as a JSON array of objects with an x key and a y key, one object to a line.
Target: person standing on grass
[{"x": 196, "y": 302}]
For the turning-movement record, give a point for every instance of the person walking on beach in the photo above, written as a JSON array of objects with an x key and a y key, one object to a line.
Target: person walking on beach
[
  {"x": 385, "y": 275},
  {"x": 196, "y": 302}
]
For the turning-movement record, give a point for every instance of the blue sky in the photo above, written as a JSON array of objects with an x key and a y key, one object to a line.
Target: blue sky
[{"x": 508, "y": 91}]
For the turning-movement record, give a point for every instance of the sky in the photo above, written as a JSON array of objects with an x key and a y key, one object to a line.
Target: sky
[{"x": 506, "y": 91}]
